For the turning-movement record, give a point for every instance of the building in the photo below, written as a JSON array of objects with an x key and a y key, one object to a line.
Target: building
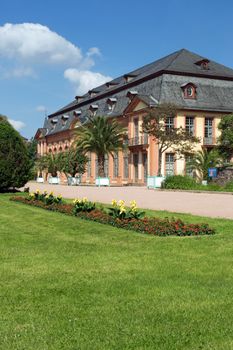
[{"x": 201, "y": 88}]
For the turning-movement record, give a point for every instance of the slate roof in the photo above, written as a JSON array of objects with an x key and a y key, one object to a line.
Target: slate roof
[{"x": 160, "y": 80}]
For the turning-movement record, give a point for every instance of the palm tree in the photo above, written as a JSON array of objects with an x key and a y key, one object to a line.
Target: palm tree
[
  {"x": 203, "y": 160},
  {"x": 54, "y": 163},
  {"x": 101, "y": 136},
  {"x": 40, "y": 165},
  {"x": 74, "y": 162}
]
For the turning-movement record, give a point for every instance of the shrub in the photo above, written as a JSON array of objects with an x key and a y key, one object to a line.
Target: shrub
[
  {"x": 119, "y": 210},
  {"x": 229, "y": 186},
  {"x": 152, "y": 226},
  {"x": 83, "y": 205},
  {"x": 48, "y": 199},
  {"x": 212, "y": 187},
  {"x": 15, "y": 165},
  {"x": 179, "y": 182}
]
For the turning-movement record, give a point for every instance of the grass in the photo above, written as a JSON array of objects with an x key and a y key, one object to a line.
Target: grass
[{"x": 71, "y": 284}]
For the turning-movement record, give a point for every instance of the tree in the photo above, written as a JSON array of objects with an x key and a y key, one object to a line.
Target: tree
[
  {"x": 166, "y": 135},
  {"x": 15, "y": 164},
  {"x": 53, "y": 163},
  {"x": 32, "y": 153},
  {"x": 41, "y": 164},
  {"x": 101, "y": 136},
  {"x": 203, "y": 160},
  {"x": 226, "y": 138},
  {"x": 32, "y": 150},
  {"x": 74, "y": 162}
]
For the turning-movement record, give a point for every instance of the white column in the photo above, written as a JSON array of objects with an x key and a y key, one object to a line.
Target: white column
[
  {"x": 38, "y": 148},
  {"x": 140, "y": 165},
  {"x": 44, "y": 147}
]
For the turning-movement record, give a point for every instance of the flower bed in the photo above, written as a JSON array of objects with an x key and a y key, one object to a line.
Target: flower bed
[{"x": 152, "y": 226}]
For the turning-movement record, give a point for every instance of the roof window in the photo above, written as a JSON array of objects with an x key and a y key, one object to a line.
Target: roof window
[
  {"x": 129, "y": 77},
  {"x": 203, "y": 64},
  {"x": 189, "y": 91}
]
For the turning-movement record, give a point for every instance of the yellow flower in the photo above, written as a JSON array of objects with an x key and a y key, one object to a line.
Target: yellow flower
[
  {"x": 122, "y": 209},
  {"x": 37, "y": 191},
  {"x": 121, "y": 203},
  {"x": 59, "y": 196},
  {"x": 133, "y": 204},
  {"x": 114, "y": 203},
  {"x": 84, "y": 199},
  {"x": 51, "y": 193}
]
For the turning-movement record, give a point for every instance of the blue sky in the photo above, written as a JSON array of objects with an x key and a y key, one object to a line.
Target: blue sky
[{"x": 52, "y": 50}]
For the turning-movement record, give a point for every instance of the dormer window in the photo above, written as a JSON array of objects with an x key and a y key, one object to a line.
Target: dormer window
[
  {"x": 64, "y": 119},
  {"x": 129, "y": 77},
  {"x": 92, "y": 93},
  {"x": 54, "y": 122},
  {"x": 111, "y": 84},
  {"x": 79, "y": 98},
  {"x": 203, "y": 64},
  {"x": 93, "y": 109},
  {"x": 189, "y": 90},
  {"x": 77, "y": 113},
  {"x": 131, "y": 94},
  {"x": 111, "y": 102}
]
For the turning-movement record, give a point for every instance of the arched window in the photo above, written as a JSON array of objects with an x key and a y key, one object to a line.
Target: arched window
[{"x": 189, "y": 91}]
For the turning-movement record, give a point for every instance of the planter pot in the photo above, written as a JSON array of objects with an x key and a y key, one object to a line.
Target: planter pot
[
  {"x": 40, "y": 179},
  {"x": 54, "y": 180},
  {"x": 204, "y": 182},
  {"x": 154, "y": 181},
  {"x": 102, "y": 181},
  {"x": 73, "y": 181}
]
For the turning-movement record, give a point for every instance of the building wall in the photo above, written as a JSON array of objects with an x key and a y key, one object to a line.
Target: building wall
[{"x": 62, "y": 141}]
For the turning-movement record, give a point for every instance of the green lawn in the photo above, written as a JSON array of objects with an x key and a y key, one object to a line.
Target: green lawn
[{"x": 71, "y": 284}]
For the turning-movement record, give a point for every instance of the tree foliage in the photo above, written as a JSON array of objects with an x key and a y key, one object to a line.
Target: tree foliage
[
  {"x": 174, "y": 139},
  {"x": 53, "y": 163},
  {"x": 226, "y": 138},
  {"x": 101, "y": 136},
  {"x": 74, "y": 162},
  {"x": 41, "y": 164},
  {"x": 203, "y": 160},
  {"x": 15, "y": 164}
]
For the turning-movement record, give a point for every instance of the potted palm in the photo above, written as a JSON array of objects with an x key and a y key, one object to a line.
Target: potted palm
[
  {"x": 74, "y": 165},
  {"x": 40, "y": 165},
  {"x": 202, "y": 161},
  {"x": 54, "y": 164},
  {"x": 101, "y": 136}
]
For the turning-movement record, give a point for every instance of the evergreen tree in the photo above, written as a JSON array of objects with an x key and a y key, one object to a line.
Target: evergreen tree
[{"x": 15, "y": 164}]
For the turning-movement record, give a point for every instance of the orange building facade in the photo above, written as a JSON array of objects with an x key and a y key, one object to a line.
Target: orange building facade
[{"x": 202, "y": 89}]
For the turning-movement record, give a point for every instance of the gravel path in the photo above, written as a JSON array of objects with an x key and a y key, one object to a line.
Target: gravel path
[{"x": 204, "y": 204}]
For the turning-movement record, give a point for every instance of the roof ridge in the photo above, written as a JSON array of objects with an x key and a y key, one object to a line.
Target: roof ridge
[{"x": 178, "y": 53}]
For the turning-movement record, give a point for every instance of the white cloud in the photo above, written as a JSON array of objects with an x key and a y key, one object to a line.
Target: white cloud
[
  {"x": 25, "y": 47},
  {"x": 33, "y": 42},
  {"x": 41, "y": 108},
  {"x": 85, "y": 80},
  {"x": 17, "y": 124},
  {"x": 89, "y": 59},
  {"x": 93, "y": 51},
  {"x": 20, "y": 72}
]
